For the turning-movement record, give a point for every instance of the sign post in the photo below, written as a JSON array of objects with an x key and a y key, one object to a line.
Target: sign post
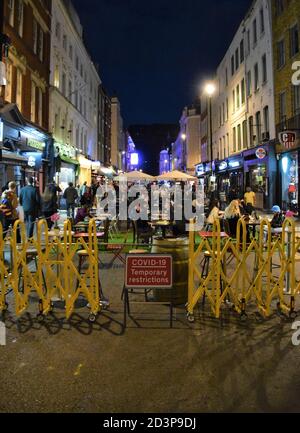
[{"x": 146, "y": 272}]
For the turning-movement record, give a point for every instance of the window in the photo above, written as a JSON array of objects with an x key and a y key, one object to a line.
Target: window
[
  {"x": 56, "y": 120},
  {"x": 223, "y": 113},
  {"x": 282, "y": 106},
  {"x": 242, "y": 51},
  {"x": 232, "y": 65},
  {"x": 8, "y": 88},
  {"x": 65, "y": 42},
  {"x": 264, "y": 69},
  {"x": 228, "y": 145},
  {"x": 56, "y": 77},
  {"x": 81, "y": 70},
  {"x": 20, "y": 17},
  {"x": 294, "y": 40},
  {"x": 71, "y": 52},
  {"x": 233, "y": 101},
  {"x": 280, "y": 54},
  {"x": 239, "y": 137},
  {"x": 254, "y": 32},
  {"x": 77, "y": 63},
  {"x": 262, "y": 21},
  {"x": 35, "y": 36},
  {"x": 234, "y": 140},
  {"x": 11, "y": 12},
  {"x": 224, "y": 146},
  {"x": 296, "y": 100},
  {"x": 220, "y": 116},
  {"x": 266, "y": 120},
  {"x": 238, "y": 96},
  {"x": 57, "y": 30},
  {"x": 248, "y": 42},
  {"x": 220, "y": 148},
  {"x": 258, "y": 126},
  {"x": 40, "y": 119},
  {"x": 19, "y": 89},
  {"x": 237, "y": 59},
  {"x": 227, "y": 109},
  {"x": 41, "y": 45},
  {"x": 226, "y": 77},
  {"x": 251, "y": 131},
  {"x": 77, "y": 137},
  {"x": 243, "y": 91},
  {"x": 279, "y": 7},
  {"x": 245, "y": 135},
  {"x": 33, "y": 98},
  {"x": 63, "y": 84},
  {"x": 70, "y": 89},
  {"x": 256, "y": 77},
  {"x": 249, "y": 84}
]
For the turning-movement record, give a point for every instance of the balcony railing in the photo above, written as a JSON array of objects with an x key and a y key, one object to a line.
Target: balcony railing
[{"x": 287, "y": 124}]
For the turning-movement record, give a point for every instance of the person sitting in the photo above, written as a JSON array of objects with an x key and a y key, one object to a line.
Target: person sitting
[
  {"x": 82, "y": 214},
  {"x": 232, "y": 215},
  {"x": 213, "y": 214},
  {"x": 278, "y": 218}
]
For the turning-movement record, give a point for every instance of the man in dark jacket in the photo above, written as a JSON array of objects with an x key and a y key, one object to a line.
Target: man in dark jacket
[
  {"x": 71, "y": 195},
  {"x": 30, "y": 201}
]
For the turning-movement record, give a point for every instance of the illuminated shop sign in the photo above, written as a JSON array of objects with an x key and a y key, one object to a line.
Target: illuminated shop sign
[
  {"x": 234, "y": 164},
  {"x": 134, "y": 159},
  {"x": 66, "y": 150},
  {"x": 223, "y": 166},
  {"x": 208, "y": 167},
  {"x": 261, "y": 153},
  {"x": 200, "y": 169},
  {"x": 287, "y": 139},
  {"x": 40, "y": 145}
]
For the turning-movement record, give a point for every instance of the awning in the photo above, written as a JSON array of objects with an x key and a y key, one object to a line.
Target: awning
[
  {"x": 14, "y": 157},
  {"x": 69, "y": 160}
]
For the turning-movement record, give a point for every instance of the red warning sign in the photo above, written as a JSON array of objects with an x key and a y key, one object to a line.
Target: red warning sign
[{"x": 149, "y": 271}]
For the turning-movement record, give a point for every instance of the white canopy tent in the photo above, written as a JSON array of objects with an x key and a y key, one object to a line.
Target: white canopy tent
[
  {"x": 135, "y": 176},
  {"x": 176, "y": 176}
]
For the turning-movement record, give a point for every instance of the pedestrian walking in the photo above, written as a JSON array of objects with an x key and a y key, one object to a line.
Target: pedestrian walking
[
  {"x": 71, "y": 195},
  {"x": 6, "y": 212},
  {"x": 30, "y": 201},
  {"x": 49, "y": 204}
]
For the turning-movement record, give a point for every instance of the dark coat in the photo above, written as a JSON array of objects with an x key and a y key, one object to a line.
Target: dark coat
[{"x": 30, "y": 199}]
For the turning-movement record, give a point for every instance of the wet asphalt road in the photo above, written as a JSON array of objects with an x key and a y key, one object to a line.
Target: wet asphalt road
[{"x": 75, "y": 366}]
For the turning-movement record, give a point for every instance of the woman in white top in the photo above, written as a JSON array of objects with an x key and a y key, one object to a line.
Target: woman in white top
[
  {"x": 233, "y": 210},
  {"x": 213, "y": 214}
]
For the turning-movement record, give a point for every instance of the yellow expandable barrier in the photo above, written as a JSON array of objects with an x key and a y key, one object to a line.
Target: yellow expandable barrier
[
  {"x": 47, "y": 266},
  {"x": 259, "y": 272}
]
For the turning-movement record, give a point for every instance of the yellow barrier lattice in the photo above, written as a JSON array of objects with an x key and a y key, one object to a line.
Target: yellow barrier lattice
[
  {"x": 261, "y": 271},
  {"x": 48, "y": 266}
]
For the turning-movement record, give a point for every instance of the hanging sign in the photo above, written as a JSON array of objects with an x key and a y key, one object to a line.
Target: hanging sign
[
  {"x": 261, "y": 153},
  {"x": 287, "y": 139}
]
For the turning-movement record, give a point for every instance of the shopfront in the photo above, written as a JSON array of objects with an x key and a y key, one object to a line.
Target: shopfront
[
  {"x": 288, "y": 155},
  {"x": 236, "y": 176},
  {"x": 68, "y": 166},
  {"x": 223, "y": 183},
  {"x": 25, "y": 149},
  {"x": 260, "y": 168},
  {"x": 85, "y": 171}
]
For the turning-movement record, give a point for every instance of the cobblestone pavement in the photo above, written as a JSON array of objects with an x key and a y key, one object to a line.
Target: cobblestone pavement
[{"x": 210, "y": 366}]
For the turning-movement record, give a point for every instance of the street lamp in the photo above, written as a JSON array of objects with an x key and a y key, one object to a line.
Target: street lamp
[
  {"x": 183, "y": 138},
  {"x": 209, "y": 90}
]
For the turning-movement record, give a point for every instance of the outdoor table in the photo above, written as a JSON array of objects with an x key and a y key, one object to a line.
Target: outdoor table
[{"x": 163, "y": 225}]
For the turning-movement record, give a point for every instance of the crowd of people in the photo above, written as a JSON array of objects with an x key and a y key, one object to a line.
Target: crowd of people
[
  {"x": 31, "y": 205},
  {"x": 241, "y": 208}
]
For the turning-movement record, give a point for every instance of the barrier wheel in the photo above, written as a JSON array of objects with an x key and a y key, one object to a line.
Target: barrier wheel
[
  {"x": 92, "y": 318},
  {"x": 191, "y": 318},
  {"x": 40, "y": 317},
  {"x": 244, "y": 317}
]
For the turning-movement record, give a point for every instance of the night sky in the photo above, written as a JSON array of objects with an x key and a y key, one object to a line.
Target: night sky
[{"x": 154, "y": 54}]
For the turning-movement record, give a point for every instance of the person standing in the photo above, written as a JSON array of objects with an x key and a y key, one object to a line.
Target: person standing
[
  {"x": 83, "y": 189},
  {"x": 49, "y": 203},
  {"x": 30, "y": 201},
  {"x": 71, "y": 195},
  {"x": 250, "y": 200}
]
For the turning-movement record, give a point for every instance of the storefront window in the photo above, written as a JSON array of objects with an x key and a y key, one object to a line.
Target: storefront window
[
  {"x": 290, "y": 181},
  {"x": 259, "y": 183}
]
